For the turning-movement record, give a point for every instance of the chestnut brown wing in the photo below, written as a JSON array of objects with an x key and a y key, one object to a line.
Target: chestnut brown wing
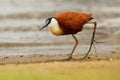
[{"x": 72, "y": 22}]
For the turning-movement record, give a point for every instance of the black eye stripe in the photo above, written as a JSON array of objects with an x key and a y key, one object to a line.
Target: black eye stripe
[{"x": 49, "y": 19}]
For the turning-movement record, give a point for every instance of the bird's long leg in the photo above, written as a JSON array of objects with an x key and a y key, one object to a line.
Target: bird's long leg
[
  {"x": 76, "y": 43},
  {"x": 92, "y": 39}
]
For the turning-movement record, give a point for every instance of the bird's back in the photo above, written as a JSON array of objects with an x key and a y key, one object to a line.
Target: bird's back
[{"x": 72, "y": 22}]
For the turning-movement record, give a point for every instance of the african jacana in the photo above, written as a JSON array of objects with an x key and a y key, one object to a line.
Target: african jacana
[{"x": 70, "y": 23}]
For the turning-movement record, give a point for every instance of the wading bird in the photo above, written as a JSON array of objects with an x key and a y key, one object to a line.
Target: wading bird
[{"x": 70, "y": 23}]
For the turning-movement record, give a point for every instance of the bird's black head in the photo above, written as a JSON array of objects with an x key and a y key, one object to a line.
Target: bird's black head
[{"x": 47, "y": 22}]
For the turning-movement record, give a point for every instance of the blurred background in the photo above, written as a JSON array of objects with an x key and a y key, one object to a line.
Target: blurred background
[{"x": 19, "y": 21}]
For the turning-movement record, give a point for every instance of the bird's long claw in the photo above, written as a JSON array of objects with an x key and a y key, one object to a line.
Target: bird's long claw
[{"x": 98, "y": 41}]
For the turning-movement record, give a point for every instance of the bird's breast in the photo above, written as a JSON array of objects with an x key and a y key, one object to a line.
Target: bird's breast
[{"x": 56, "y": 31}]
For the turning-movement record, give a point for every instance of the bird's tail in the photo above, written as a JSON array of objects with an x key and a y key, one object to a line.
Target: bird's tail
[{"x": 91, "y": 18}]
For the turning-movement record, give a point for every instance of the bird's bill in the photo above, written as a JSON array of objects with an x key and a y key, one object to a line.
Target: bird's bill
[
  {"x": 41, "y": 28},
  {"x": 45, "y": 25}
]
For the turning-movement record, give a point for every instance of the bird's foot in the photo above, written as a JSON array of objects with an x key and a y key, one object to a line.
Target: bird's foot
[{"x": 69, "y": 58}]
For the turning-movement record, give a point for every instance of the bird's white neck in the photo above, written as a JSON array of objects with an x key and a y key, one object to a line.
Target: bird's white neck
[{"x": 55, "y": 27}]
